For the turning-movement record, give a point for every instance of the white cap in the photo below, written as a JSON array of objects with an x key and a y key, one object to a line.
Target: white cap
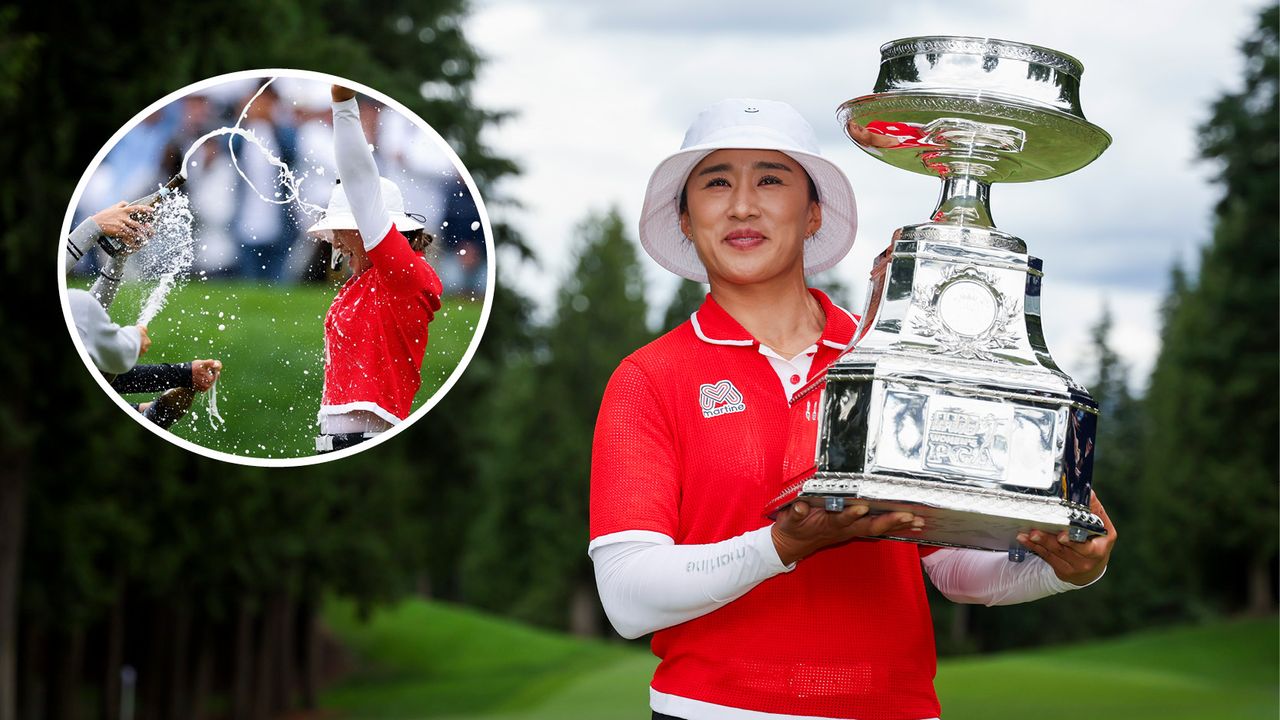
[
  {"x": 338, "y": 215},
  {"x": 748, "y": 125}
]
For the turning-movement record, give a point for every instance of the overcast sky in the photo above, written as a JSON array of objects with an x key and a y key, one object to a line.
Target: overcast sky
[{"x": 604, "y": 91}]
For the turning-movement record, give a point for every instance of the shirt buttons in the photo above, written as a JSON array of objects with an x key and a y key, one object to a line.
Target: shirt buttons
[{"x": 795, "y": 379}]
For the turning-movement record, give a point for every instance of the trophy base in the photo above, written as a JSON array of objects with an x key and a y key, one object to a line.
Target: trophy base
[{"x": 955, "y": 515}]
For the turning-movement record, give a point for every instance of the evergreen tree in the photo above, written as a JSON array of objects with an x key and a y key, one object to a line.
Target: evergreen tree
[
  {"x": 839, "y": 292},
  {"x": 463, "y": 428},
  {"x": 535, "y": 483},
  {"x": 1117, "y": 603},
  {"x": 180, "y": 563},
  {"x": 687, "y": 298},
  {"x": 1211, "y": 464},
  {"x": 1117, "y": 462}
]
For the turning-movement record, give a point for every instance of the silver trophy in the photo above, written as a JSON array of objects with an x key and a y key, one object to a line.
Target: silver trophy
[{"x": 950, "y": 406}]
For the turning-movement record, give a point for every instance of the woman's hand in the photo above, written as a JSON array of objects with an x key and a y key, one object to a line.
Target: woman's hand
[
  {"x": 1078, "y": 563},
  {"x": 117, "y": 221},
  {"x": 340, "y": 93},
  {"x": 204, "y": 373},
  {"x": 801, "y": 530}
]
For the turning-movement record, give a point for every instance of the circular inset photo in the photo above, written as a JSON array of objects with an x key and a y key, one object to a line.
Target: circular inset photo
[{"x": 276, "y": 267}]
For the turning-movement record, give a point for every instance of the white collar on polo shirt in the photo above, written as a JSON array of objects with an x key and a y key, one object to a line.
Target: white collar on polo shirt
[{"x": 792, "y": 373}]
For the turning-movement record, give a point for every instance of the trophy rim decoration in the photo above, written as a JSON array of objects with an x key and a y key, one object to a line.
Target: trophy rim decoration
[{"x": 1007, "y": 49}]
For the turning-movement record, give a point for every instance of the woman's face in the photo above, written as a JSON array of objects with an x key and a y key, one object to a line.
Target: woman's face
[
  {"x": 345, "y": 240},
  {"x": 348, "y": 243},
  {"x": 748, "y": 213}
]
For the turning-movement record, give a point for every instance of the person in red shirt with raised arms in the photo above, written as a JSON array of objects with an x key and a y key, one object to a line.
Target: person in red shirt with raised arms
[
  {"x": 756, "y": 619},
  {"x": 375, "y": 332}
]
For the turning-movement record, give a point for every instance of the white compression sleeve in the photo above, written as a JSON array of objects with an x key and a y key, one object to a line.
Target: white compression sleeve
[
  {"x": 81, "y": 241},
  {"x": 988, "y": 578},
  {"x": 648, "y": 583},
  {"x": 108, "y": 282},
  {"x": 359, "y": 174}
]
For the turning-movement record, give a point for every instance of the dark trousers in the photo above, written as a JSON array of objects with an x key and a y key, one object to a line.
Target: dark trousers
[{"x": 341, "y": 441}]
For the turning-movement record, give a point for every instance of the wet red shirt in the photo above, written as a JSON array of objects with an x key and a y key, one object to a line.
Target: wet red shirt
[{"x": 375, "y": 333}]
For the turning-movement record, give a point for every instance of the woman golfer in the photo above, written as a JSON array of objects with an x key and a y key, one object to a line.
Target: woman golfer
[
  {"x": 752, "y": 618},
  {"x": 375, "y": 332}
]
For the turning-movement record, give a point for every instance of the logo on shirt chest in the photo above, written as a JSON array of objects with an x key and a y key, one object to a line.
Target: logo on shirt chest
[{"x": 720, "y": 398}]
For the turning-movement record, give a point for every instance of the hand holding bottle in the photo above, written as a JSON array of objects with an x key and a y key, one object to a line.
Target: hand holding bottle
[{"x": 125, "y": 222}]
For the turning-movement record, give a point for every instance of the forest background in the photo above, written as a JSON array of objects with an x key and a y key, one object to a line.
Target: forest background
[{"x": 209, "y": 579}]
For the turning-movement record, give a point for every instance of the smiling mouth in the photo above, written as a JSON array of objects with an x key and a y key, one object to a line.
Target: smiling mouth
[{"x": 744, "y": 239}]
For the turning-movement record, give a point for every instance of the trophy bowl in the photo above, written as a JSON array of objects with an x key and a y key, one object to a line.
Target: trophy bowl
[
  {"x": 949, "y": 405},
  {"x": 992, "y": 109}
]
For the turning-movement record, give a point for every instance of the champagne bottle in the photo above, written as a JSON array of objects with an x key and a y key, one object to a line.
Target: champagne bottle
[{"x": 115, "y": 246}]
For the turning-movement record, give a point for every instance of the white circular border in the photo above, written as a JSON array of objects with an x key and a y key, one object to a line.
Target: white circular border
[{"x": 312, "y": 459}]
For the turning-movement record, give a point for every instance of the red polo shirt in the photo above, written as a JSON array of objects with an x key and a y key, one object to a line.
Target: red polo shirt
[
  {"x": 375, "y": 333},
  {"x": 692, "y": 442}
]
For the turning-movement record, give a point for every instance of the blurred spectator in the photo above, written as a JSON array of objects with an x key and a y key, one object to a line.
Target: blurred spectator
[
  {"x": 132, "y": 168},
  {"x": 464, "y": 241},
  {"x": 238, "y": 233},
  {"x": 263, "y": 230},
  {"x": 209, "y": 175}
]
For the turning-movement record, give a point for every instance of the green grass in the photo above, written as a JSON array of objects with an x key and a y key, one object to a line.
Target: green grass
[
  {"x": 439, "y": 662},
  {"x": 432, "y": 660},
  {"x": 1216, "y": 672},
  {"x": 270, "y": 339}
]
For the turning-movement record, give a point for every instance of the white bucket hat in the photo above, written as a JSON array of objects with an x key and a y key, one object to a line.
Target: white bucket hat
[
  {"x": 749, "y": 125},
  {"x": 338, "y": 216}
]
